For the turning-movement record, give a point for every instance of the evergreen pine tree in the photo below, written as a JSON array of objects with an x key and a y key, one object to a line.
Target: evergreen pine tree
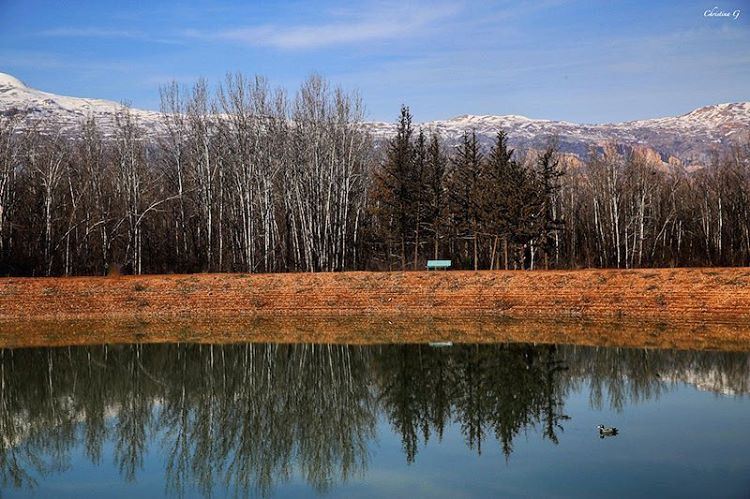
[
  {"x": 437, "y": 169},
  {"x": 393, "y": 189},
  {"x": 549, "y": 184},
  {"x": 515, "y": 201},
  {"x": 499, "y": 167},
  {"x": 468, "y": 192},
  {"x": 418, "y": 190}
]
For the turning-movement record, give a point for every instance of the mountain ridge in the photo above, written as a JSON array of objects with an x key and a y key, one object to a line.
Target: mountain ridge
[{"x": 690, "y": 138}]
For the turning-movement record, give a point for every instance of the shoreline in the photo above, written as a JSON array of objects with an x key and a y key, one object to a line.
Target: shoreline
[
  {"x": 697, "y": 308},
  {"x": 359, "y": 329}
]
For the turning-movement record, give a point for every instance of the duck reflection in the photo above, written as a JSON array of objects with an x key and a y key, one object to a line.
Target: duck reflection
[{"x": 245, "y": 418}]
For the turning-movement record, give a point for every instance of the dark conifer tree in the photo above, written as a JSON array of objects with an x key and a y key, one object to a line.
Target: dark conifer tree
[
  {"x": 418, "y": 190},
  {"x": 468, "y": 184},
  {"x": 549, "y": 173},
  {"x": 437, "y": 170},
  {"x": 500, "y": 168},
  {"x": 393, "y": 191},
  {"x": 515, "y": 202}
]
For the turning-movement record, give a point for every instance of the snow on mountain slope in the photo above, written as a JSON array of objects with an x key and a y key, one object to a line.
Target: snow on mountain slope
[
  {"x": 7, "y": 80},
  {"x": 67, "y": 112},
  {"x": 692, "y": 138}
]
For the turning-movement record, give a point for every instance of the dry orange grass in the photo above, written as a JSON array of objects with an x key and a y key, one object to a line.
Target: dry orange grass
[
  {"x": 702, "y": 294},
  {"x": 691, "y": 298}
]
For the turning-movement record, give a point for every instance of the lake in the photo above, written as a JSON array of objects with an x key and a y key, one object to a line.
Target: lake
[{"x": 444, "y": 420}]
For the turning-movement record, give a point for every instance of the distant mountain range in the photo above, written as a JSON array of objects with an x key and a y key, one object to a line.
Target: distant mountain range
[{"x": 689, "y": 139}]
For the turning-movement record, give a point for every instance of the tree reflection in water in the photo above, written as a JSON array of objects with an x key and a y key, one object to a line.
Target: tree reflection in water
[{"x": 246, "y": 417}]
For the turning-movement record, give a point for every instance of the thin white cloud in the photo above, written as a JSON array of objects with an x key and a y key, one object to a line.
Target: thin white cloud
[
  {"x": 91, "y": 32},
  {"x": 98, "y": 32},
  {"x": 384, "y": 24}
]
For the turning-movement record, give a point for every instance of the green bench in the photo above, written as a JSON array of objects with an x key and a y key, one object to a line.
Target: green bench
[{"x": 438, "y": 264}]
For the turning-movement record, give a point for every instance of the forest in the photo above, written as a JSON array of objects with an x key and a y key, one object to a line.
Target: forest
[{"x": 247, "y": 178}]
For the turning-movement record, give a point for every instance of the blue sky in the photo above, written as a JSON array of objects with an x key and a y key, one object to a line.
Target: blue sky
[{"x": 573, "y": 60}]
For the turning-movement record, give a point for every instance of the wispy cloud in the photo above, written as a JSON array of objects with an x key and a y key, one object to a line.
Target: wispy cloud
[
  {"x": 384, "y": 24},
  {"x": 100, "y": 32},
  {"x": 91, "y": 33}
]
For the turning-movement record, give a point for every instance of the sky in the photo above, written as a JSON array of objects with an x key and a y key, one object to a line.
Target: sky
[{"x": 581, "y": 61}]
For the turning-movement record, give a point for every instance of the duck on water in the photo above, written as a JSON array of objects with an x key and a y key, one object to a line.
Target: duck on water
[{"x": 607, "y": 431}]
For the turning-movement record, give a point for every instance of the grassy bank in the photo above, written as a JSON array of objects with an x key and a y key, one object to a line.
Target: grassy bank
[{"x": 714, "y": 295}]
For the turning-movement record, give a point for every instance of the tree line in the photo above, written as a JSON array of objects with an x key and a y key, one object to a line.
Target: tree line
[
  {"x": 249, "y": 179},
  {"x": 482, "y": 210}
]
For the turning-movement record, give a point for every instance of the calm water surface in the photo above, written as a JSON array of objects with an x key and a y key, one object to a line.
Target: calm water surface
[{"x": 349, "y": 421}]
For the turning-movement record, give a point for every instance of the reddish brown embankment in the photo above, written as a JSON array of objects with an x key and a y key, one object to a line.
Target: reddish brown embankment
[
  {"x": 684, "y": 294},
  {"x": 709, "y": 302}
]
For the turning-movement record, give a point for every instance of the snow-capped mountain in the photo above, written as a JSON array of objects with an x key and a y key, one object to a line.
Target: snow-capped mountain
[
  {"x": 691, "y": 138},
  {"x": 58, "y": 110}
]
